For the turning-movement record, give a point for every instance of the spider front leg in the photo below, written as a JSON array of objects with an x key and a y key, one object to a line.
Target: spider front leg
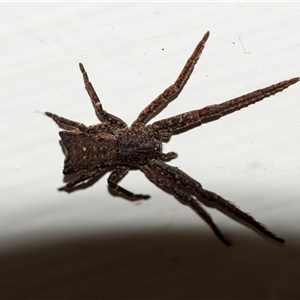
[
  {"x": 162, "y": 100},
  {"x": 229, "y": 207},
  {"x": 115, "y": 177},
  {"x": 186, "y": 182},
  {"x": 169, "y": 186},
  {"x": 166, "y": 127},
  {"x": 107, "y": 117}
]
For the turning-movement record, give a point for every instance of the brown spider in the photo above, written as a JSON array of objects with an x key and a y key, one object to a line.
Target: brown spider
[{"x": 91, "y": 150}]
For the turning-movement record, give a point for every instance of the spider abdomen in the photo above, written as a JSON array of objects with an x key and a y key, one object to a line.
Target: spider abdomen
[
  {"x": 87, "y": 151},
  {"x": 136, "y": 147}
]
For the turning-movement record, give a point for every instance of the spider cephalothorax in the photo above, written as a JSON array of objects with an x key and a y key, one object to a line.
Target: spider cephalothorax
[{"x": 91, "y": 150}]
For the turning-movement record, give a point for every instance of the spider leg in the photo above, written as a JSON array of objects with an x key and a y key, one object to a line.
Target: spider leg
[
  {"x": 67, "y": 122},
  {"x": 169, "y": 186},
  {"x": 162, "y": 100},
  {"x": 168, "y": 156},
  {"x": 107, "y": 117},
  {"x": 83, "y": 128},
  {"x": 231, "y": 208},
  {"x": 83, "y": 177},
  {"x": 101, "y": 127},
  {"x": 115, "y": 177},
  {"x": 185, "y": 181},
  {"x": 166, "y": 127}
]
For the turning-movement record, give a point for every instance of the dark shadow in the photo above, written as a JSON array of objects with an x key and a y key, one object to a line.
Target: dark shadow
[{"x": 162, "y": 264}]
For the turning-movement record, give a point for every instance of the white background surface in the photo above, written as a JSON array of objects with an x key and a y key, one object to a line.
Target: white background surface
[{"x": 89, "y": 244}]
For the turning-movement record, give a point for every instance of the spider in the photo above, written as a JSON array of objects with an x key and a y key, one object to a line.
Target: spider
[{"x": 95, "y": 149}]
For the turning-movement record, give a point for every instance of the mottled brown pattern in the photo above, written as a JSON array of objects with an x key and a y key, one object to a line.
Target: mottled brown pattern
[{"x": 91, "y": 150}]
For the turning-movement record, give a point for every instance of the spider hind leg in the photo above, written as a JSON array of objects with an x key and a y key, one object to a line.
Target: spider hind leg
[
  {"x": 107, "y": 117},
  {"x": 82, "y": 178},
  {"x": 67, "y": 122}
]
